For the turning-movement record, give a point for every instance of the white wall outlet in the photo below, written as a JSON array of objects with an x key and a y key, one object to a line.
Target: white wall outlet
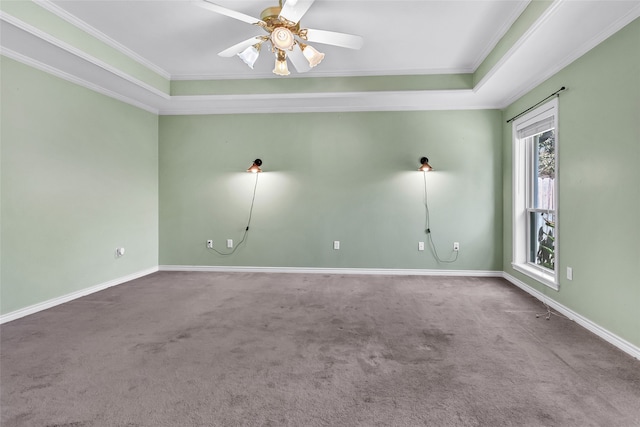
[
  {"x": 210, "y": 244},
  {"x": 421, "y": 246},
  {"x": 336, "y": 244},
  {"x": 119, "y": 252},
  {"x": 569, "y": 273},
  {"x": 456, "y": 246},
  {"x": 229, "y": 243}
]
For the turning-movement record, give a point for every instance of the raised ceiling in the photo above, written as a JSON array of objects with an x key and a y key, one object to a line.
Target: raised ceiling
[
  {"x": 401, "y": 37},
  {"x": 434, "y": 54}
]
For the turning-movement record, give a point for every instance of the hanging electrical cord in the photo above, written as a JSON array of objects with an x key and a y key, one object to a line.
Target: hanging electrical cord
[
  {"x": 246, "y": 230},
  {"x": 428, "y": 229},
  {"x": 548, "y": 313}
]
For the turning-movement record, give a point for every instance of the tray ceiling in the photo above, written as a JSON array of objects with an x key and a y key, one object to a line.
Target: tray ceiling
[{"x": 179, "y": 41}]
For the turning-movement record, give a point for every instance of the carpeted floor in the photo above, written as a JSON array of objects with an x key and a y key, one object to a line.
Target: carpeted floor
[{"x": 241, "y": 349}]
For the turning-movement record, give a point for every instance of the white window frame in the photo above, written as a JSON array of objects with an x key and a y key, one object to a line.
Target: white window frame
[{"x": 521, "y": 182}]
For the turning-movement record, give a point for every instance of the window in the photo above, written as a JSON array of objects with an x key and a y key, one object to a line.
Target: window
[{"x": 535, "y": 194}]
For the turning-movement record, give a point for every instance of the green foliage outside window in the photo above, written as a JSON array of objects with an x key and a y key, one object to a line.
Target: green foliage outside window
[{"x": 545, "y": 255}]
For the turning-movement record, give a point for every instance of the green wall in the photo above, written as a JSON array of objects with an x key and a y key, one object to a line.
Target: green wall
[
  {"x": 79, "y": 178},
  {"x": 83, "y": 174},
  {"x": 599, "y": 179},
  {"x": 332, "y": 176}
]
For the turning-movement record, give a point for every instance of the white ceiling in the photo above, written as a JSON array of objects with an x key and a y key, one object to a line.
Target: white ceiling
[
  {"x": 180, "y": 41},
  {"x": 401, "y": 36}
]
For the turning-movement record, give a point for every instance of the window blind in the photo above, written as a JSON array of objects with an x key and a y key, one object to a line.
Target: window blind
[{"x": 536, "y": 127}]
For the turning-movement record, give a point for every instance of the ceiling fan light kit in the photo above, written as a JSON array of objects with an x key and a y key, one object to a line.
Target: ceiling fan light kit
[
  {"x": 250, "y": 55},
  {"x": 313, "y": 56},
  {"x": 282, "y": 23},
  {"x": 281, "y": 68}
]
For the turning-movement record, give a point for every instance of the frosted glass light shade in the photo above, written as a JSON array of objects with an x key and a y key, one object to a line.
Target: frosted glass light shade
[
  {"x": 313, "y": 56},
  {"x": 281, "y": 68},
  {"x": 249, "y": 56}
]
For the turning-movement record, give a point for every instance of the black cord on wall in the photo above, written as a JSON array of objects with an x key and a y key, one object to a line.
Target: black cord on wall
[
  {"x": 246, "y": 230},
  {"x": 428, "y": 229}
]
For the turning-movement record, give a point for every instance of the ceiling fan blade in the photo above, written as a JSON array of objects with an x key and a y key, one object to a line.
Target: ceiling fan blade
[
  {"x": 237, "y": 48},
  {"x": 293, "y": 10},
  {"x": 298, "y": 60},
  {"x": 349, "y": 41},
  {"x": 206, "y": 4}
]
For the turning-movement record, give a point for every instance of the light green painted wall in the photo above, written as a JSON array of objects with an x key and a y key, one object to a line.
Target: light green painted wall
[
  {"x": 599, "y": 178},
  {"x": 333, "y": 176},
  {"x": 34, "y": 15},
  {"x": 79, "y": 178}
]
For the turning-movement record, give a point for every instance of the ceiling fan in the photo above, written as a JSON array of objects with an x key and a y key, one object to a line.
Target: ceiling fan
[{"x": 286, "y": 38}]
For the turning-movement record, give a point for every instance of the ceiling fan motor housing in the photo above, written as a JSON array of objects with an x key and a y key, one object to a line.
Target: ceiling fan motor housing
[{"x": 282, "y": 38}]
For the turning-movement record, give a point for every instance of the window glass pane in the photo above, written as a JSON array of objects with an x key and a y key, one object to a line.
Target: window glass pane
[
  {"x": 544, "y": 170},
  {"x": 542, "y": 239}
]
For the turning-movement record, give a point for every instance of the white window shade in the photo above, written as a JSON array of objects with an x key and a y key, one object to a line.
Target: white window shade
[{"x": 538, "y": 126}]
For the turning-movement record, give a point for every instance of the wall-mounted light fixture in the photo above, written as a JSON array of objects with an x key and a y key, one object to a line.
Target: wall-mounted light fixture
[
  {"x": 424, "y": 165},
  {"x": 255, "y": 167}
]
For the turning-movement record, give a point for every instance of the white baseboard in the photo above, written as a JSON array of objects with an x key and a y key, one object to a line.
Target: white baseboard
[
  {"x": 74, "y": 295},
  {"x": 310, "y": 270},
  {"x": 606, "y": 335}
]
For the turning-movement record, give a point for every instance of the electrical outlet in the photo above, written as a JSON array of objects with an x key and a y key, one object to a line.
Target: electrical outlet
[
  {"x": 336, "y": 244},
  {"x": 569, "y": 273},
  {"x": 421, "y": 246},
  {"x": 210, "y": 244},
  {"x": 456, "y": 246},
  {"x": 229, "y": 243}
]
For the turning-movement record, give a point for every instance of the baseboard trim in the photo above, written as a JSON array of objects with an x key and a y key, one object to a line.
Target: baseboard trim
[
  {"x": 17, "y": 314},
  {"x": 313, "y": 270},
  {"x": 603, "y": 333}
]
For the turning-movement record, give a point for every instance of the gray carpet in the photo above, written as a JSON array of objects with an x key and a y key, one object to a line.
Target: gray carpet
[{"x": 240, "y": 349}]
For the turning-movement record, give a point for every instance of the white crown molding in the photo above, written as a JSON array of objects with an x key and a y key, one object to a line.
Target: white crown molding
[
  {"x": 518, "y": 44},
  {"x": 318, "y": 95},
  {"x": 591, "y": 326},
  {"x": 583, "y": 49},
  {"x": 499, "y": 35},
  {"x": 341, "y": 271},
  {"x": 249, "y": 109},
  {"x": 79, "y": 53},
  {"x": 488, "y": 94},
  {"x": 326, "y": 102},
  {"x": 92, "y": 31},
  {"x": 321, "y": 74},
  {"x": 17, "y": 314},
  {"x": 74, "y": 79}
]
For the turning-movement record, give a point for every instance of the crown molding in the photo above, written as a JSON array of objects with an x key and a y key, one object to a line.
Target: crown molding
[
  {"x": 74, "y": 79},
  {"x": 326, "y": 102},
  {"x": 33, "y": 31},
  {"x": 577, "y": 53},
  {"x": 321, "y": 74},
  {"x": 39, "y": 49},
  {"x": 92, "y": 31},
  {"x": 499, "y": 35},
  {"x": 518, "y": 44}
]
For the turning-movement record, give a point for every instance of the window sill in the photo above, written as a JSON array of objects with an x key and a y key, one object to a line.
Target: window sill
[{"x": 543, "y": 277}]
